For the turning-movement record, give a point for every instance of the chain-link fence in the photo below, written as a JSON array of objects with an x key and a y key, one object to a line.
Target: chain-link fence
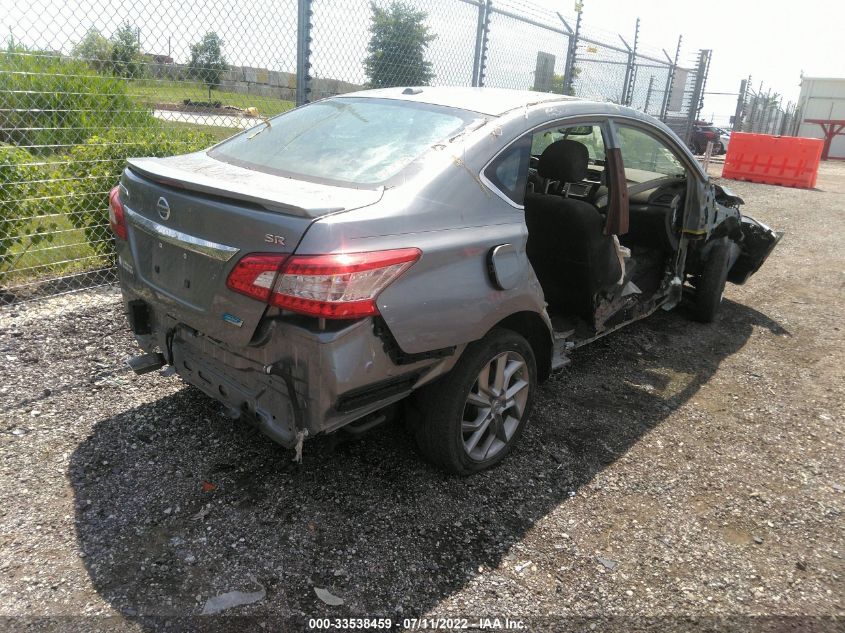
[
  {"x": 85, "y": 84},
  {"x": 764, "y": 112}
]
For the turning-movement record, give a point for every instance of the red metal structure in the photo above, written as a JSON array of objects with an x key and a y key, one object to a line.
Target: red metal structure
[{"x": 830, "y": 127}]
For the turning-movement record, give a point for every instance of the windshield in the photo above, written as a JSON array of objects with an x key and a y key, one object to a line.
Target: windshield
[{"x": 347, "y": 140}]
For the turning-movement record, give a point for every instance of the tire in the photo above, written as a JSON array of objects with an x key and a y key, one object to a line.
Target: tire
[
  {"x": 710, "y": 284},
  {"x": 441, "y": 434}
]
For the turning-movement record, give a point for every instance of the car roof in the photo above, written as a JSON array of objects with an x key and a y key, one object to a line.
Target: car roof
[{"x": 489, "y": 101}]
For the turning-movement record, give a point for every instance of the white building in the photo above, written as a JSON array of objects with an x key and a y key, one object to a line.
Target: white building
[{"x": 822, "y": 98}]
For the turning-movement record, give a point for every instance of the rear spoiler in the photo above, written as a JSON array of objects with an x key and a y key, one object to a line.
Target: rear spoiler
[{"x": 198, "y": 172}]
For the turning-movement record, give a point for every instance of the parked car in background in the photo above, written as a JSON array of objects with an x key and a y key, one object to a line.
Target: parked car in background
[
  {"x": 702, "y": 133},
  {"x": 724, "y": 140},
  {"x": 447, "y": 245}
]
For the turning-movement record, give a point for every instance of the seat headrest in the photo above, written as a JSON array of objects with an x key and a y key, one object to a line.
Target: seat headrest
[{"x": 564, "y": 160}]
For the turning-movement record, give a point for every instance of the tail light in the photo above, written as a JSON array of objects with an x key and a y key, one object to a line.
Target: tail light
[
  {"x": 340, "y": 286},
  {"x": 254, "y": 275},
  {"x": 117, "y": 219}
]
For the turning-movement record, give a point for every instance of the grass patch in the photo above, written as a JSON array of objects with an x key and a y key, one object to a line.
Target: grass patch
[
  {"x": 64, "y": 229},
  {"x": 68, "y": 252},
  {"x": 149, "y": 92},
  {"x": 219, "y": 133}
]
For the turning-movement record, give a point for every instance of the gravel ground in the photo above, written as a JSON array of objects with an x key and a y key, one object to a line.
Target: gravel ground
[{"x": 674, "y": 474}]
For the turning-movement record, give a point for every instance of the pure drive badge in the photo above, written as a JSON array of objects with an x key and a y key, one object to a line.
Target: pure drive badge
[{"x": 231, "y": 318}]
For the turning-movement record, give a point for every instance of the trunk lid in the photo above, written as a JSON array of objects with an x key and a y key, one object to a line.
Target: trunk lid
[{"x": 190, "y": 220}]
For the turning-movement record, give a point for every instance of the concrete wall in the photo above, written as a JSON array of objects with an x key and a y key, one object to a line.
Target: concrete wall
[
  {"x": 822, "y": 98},
  {"x": 259, "y": 82}
]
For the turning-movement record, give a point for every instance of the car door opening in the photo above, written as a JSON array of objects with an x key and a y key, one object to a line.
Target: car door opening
[{"x": 602, "y": 258}]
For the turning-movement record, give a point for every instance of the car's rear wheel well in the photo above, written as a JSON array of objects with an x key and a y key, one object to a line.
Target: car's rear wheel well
[{"x": 532, "y": 327}]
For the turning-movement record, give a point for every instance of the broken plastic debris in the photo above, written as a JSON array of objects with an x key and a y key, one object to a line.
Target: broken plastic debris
[
  {"x": 300, "y": 438},
  {"x": 328, "y": 597},
  {"x": 232, "y": 599},
  {"x": 606, "y": 562},
  {"x": 207, "y": 486},
  {"x": 199, "y": 516},
  {"x": 522, "y": 566}
]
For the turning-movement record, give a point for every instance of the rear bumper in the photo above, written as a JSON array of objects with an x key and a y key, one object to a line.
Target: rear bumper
[{"x": 297, "y": 383}]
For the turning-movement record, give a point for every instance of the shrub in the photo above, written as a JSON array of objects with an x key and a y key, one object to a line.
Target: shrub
[
  {"x": 94, "y": 167},
  {"x": 126, "y": 58},
  {"x": 48, "y": 103},
  {"x": 21, "y": 181}
]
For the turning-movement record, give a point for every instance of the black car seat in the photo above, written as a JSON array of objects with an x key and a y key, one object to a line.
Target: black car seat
[{"x": 570, "y": 253}]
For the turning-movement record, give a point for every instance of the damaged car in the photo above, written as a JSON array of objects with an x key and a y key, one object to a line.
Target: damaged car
[{"x": 446, "y": 247}]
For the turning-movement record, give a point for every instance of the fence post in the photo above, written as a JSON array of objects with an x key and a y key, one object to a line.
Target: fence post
[
  {"x": 568, "y": 79},
  {"x": 740, "y": 106},
  {"x": 648, "y": 93},
  {"x": 755, "y": 100},
  {"x": 700, "y": 106},
  {"x": 630, "y": 68},
  {"x": 767, "y": 110},
  {"x": 479, "y": 61},
  {"x": 303, "y": 52},
  {"x": 697, "y": 91},
  {"x": 667, "y": 93},
  {"x": 784, "y": 123},
  {"x": 633, "y": 78}
]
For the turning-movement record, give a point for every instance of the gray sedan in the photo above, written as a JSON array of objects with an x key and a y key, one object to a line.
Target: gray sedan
[{"x": 443, "y": 247}]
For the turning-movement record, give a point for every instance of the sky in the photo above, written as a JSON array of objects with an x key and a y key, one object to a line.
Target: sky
[{"x": 773, "y": 40}]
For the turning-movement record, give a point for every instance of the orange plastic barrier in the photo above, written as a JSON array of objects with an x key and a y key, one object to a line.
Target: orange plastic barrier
[{"x": 773, "y": 160}]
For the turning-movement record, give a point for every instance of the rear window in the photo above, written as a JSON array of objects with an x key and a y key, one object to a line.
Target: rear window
[{"x": 344, "y": 140}]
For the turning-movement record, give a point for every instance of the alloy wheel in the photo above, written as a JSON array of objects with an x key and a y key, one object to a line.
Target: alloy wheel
[{"x": 495, "y": 406}]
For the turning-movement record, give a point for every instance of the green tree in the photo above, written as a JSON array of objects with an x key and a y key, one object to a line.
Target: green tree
[
  {"x": 126, "y": 58},
  {"x": 557, "y": 85},
  {"x": 398, "y": 42},
  {"x": 207, "y": 60},
  {"x": 95, "y": 49}
]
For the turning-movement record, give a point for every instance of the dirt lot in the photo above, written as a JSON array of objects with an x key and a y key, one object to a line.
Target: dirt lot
[{"x": 673, "y": 474}]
